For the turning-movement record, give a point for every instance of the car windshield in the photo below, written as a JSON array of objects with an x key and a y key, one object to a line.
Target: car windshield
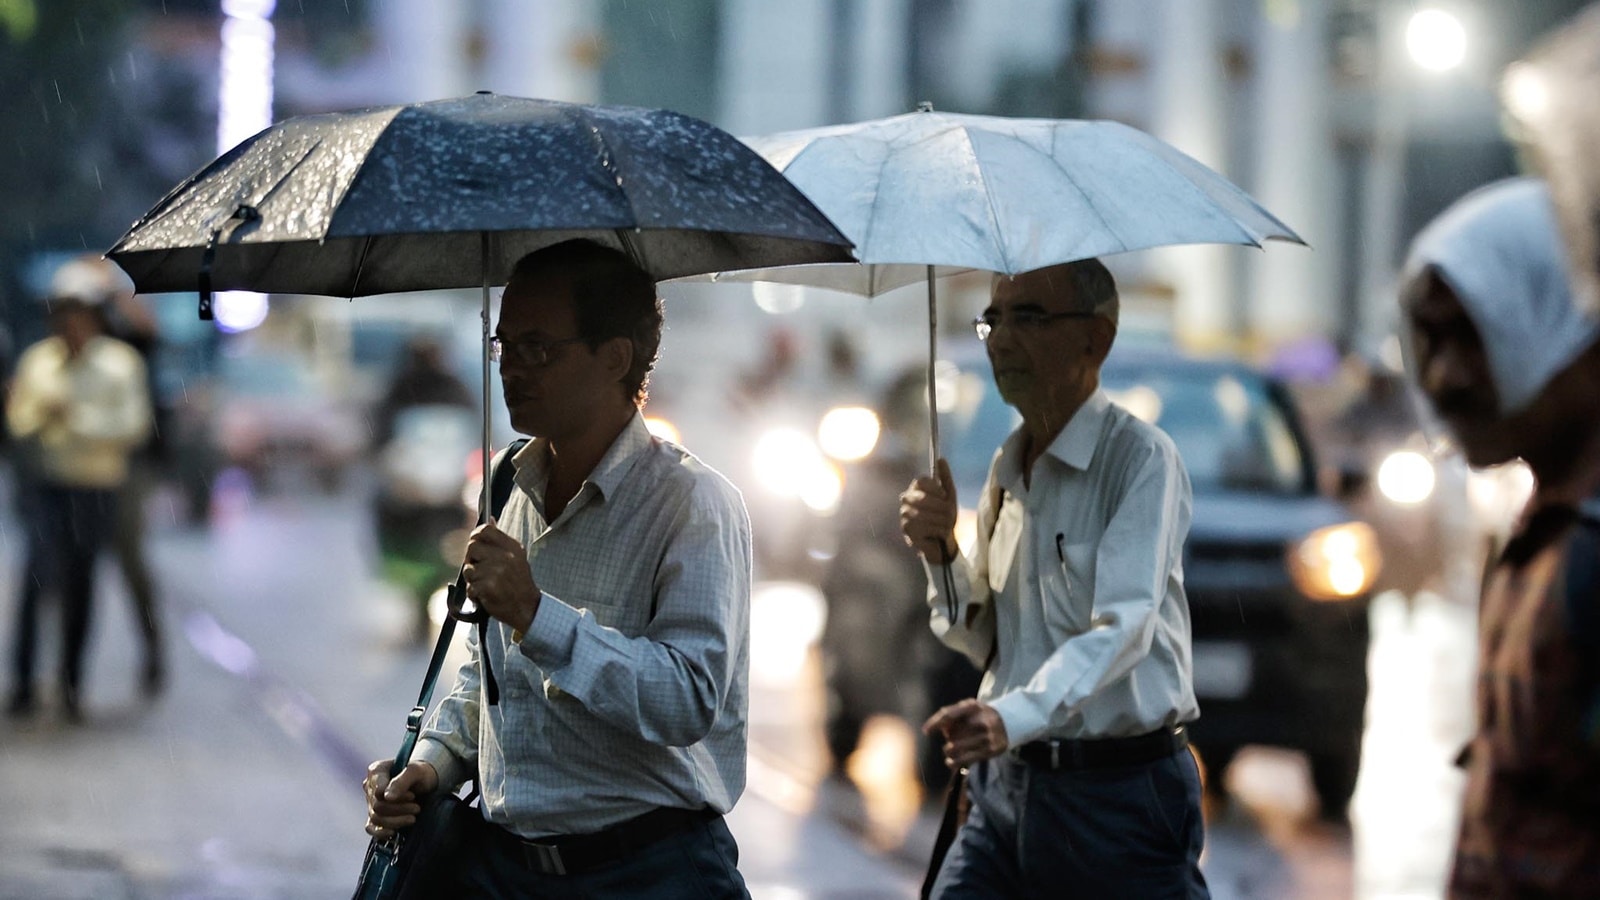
[{"x": 1231, "y": 434}]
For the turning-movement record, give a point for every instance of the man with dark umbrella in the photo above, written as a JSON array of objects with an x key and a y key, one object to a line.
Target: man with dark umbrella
[{"x": 618, "y": 579}]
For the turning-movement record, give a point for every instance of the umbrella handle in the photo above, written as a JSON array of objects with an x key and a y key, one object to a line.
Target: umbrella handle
[{"x": 933, "y": 390}]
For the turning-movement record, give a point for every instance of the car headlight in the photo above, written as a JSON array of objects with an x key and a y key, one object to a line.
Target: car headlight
[
  {"x": 1406, "y": 477},
  {"x": 848, "y": 433},
  {"x": 1336, "y": 563},
  {"x": 789, "y": 464}
]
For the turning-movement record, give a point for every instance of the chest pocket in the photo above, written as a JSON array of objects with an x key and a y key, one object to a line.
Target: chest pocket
[{"x": 1067, "y": 586}]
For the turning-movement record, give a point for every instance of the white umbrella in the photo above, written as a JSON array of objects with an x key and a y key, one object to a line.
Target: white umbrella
[{"x": 928, "y": 194}]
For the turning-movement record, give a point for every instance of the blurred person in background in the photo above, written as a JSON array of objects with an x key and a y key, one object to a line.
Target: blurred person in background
[
  {"x": 419, "y": 497},
  {"x": 878, "y": 655},
  {"x": 1072, "y": 601},
  {"x": 618, "y": 582},
  {"x": 104, "y": 286},
  {"x": 79, "y": 408},
  {"x": 423, "y": 378},
  {"x": 1512, "y": 367}
]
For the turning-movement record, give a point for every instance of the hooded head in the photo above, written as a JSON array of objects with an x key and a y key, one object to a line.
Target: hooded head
[{"x": 1491, "y": 314}]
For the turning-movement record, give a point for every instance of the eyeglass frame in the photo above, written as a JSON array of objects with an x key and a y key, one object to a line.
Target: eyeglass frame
[
  {"x": 1024, "y": 319},
  {"x": 522, "y": 348}
]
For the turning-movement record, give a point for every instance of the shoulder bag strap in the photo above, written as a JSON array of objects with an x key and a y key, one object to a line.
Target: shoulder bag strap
[{"x": 501, "y": 480}]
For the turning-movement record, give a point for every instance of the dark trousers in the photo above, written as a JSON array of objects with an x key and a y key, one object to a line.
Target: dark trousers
[
  {"x": 700, "y": 863},
  {"x": 129, "y": 543},
  {"x": 1131, "y": 831},
  {"x": 66, "y": 529}
]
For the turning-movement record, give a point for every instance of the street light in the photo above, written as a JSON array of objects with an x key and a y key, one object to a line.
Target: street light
[
  {"x": 244, "y": 107},
  {"x": 1436, "y": 39}
]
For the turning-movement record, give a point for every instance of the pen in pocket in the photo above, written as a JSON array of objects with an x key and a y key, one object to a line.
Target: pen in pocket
[{"x": 1061, "y": 560}]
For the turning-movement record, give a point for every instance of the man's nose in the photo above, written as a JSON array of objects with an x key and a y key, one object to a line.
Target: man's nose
[{"x": 1446, "y": 372}]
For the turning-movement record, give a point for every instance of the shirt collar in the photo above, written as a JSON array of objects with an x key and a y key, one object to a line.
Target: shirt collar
[
  {"x": 1074, "y": 445},
  {"x": 533, "y": 460}
]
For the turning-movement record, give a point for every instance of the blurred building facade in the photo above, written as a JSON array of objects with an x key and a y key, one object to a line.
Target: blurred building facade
[{"x": 1313, "y": 106}]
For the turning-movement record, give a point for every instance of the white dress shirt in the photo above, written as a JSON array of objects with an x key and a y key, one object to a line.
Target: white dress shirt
[
  {"x": 630, "y": 689},
  {"x": 1076, "y": 583}
]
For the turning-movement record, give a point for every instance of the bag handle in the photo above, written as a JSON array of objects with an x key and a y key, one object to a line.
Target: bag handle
[{"x": 500, "y": 481}]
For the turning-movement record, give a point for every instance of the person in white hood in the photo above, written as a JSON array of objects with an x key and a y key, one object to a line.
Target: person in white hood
[{"x": 1512, "y": 366}]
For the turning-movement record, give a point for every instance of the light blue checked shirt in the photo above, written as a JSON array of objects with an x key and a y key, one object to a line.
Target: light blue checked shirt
[{"x": 630, "y": 689}]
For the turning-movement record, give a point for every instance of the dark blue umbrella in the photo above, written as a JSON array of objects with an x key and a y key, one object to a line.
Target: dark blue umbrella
[{"x": 450, "y": 193}]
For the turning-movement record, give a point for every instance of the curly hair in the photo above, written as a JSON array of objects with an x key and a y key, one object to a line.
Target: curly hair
[{"x": 612, "y": 297}]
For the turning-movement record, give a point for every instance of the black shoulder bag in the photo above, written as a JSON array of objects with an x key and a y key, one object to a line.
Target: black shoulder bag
[{"x": 410, "y": 863}]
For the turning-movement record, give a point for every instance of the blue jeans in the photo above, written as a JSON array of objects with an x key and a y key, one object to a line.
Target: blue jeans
[
  {"x": 701, "y": 863},
  {"x": 1132, "y": 831}
]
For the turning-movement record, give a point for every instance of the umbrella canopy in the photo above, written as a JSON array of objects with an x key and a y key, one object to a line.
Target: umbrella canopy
[
  {"x": 399, "y": 198},
  {"x": 929, "y": 194},
  {"x": 962, "y": 192}
]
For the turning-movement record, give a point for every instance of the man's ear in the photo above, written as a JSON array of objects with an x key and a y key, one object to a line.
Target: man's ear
[
  {"x": 617, "y": 356},
  {"x": 1100, "y": 335}
]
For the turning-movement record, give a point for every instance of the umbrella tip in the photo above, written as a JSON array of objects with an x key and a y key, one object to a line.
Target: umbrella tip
[{"x": 924, "y": 106}]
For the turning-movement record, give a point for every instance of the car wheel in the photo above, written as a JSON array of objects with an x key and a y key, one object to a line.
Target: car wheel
[{"x": 1333, "y": 778}]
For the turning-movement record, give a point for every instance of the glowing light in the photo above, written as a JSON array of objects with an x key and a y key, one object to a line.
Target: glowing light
[
  {"x": 848, "y": 432},
  {"x": 240, "y": 310},
  {"x": 244, "y": 107},
  {"x": 244, "y": 95},
  {"x": 785, "y": 621},
  {"x": 1337, "y": 562},
  {"x": 1406, "y": 477},
  {"x": 1141, "y": 400},
  {"x": 663, "y": 429},
  {"x": 1436, "y": 39},
  {"x": 789, "y": 464},
  {"x": 778, "y": 299},
  {"x": 1525, "y": 92}
]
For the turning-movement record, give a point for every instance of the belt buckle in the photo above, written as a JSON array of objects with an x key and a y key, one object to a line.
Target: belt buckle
[{"x": 548, "y": 857}]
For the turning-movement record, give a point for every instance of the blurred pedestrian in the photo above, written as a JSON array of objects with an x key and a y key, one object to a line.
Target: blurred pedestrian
[
  {"x": 423, "y": 378},
  {"x": 415, "y": 513},
  {"x": 103, "y": 285},
  {"x": 618, "y": 579},
  {"x": 79, "y": 405},
  {"x": 878, "y": 656},
  {"x": 1072, "y": 601},
  {"x": 1513, "y": 369}
]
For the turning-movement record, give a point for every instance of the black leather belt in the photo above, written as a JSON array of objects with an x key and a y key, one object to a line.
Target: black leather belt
[
  {"x": 1105, "y": 753},
  {"x": 575, "y": 853}
]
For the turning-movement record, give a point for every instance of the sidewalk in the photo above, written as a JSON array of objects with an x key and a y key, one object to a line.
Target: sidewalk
[{"x": 289, "y": 671}]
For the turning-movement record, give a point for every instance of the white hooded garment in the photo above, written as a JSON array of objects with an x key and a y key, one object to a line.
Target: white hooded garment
[{"x": 1499, "y": 250}]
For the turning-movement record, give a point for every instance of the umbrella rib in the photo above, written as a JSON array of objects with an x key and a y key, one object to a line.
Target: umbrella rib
[
  {"x": 606, "y": 154},
  {"x": 988, "y": 200}
]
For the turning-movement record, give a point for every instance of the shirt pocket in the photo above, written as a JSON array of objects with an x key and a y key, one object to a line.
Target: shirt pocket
[{"x": 1068, "y": 589}]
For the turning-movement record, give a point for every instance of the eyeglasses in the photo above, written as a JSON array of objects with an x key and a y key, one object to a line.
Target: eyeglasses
[
  {"x": 527, "y": 351},
  {"x": 1022, "y": 319}
]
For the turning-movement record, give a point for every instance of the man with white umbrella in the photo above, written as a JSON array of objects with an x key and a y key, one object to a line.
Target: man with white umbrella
[{"x": 1072, "y": 601}]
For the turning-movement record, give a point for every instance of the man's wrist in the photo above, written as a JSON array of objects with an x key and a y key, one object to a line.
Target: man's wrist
[{"x": 518, "y": 631}]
